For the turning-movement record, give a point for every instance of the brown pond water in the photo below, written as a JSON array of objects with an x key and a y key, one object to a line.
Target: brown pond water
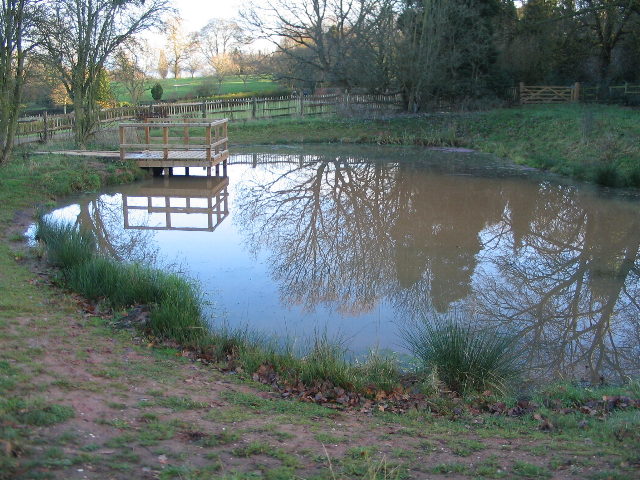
[{"x": 359, "y": 242}]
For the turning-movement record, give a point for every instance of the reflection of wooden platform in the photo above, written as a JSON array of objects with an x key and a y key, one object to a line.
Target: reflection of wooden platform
[{"x": 173, "y": 190}]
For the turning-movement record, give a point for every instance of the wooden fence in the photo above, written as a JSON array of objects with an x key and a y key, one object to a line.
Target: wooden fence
[{"x": 42, "y": 128}]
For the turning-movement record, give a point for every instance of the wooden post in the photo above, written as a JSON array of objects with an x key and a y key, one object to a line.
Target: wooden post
[
  {"x": 204, "y": 109},
  {"x": 576, "y": 92},
  {"x": 208, "y": 143},
  {"x": 186, "y": 135},
  {"x": 147, "y": 134},
  {"x": 521, "y": 91},
  {"x": 254, "y": 108},
  {"x": 121, "y": 143},
  {"x": 301, "y": 101},
  {"x": 165, "y": 140},
  {"x": 45, "y": 129}
]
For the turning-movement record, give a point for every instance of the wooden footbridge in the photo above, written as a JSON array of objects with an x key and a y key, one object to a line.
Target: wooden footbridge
[{"x": 163, "y": 144}]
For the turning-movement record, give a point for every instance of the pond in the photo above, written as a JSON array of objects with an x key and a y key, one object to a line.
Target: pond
[{"x": 359, "y": 242}]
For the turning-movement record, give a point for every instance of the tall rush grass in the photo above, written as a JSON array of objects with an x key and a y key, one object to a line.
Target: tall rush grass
[
  {"x": 174, "y": 302},
  {"x": 463, "y": 358}
]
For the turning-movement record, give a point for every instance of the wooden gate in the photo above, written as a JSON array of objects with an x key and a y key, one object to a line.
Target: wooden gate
[{"x": 530, "y": 94}]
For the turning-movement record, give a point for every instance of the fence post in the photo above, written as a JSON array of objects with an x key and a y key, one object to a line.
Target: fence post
[
  {"x": 520, "y": 92},
  {"x": 254, "y": 108},
  {"x": 576, "y": 92},
  {"x": 301, "y": 101},
  {"x": 121, "y": 143},
  {"x": 45, "y": 130},
  {"x": 204, "y": 109}
]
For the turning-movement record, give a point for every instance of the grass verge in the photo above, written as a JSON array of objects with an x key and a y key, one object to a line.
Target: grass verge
[{"x": 595, "y": 143}]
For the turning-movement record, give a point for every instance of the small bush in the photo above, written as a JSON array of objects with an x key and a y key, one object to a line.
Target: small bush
[
  {"x": 464, "y": 359},
  {"x": 156, "y": 92},
  {"x": 207, "y": 88}
]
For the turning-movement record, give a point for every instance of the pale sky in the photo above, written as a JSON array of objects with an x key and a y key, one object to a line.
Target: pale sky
[{"x": 196, "y": 13}]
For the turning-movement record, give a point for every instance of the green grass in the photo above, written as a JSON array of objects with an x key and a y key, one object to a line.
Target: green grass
[
  {"x": 174, "y": 301},
  {"x": 187, "y": 88},
  {"x": 464, "y": 359},
  {"x": 594, "y": 143}
]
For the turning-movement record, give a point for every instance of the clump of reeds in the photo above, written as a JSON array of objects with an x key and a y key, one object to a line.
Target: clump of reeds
[
  {"x": 174, "y": 302},
  {"x": 463, "y": 358},
  {"x": 66, "y": 245}
]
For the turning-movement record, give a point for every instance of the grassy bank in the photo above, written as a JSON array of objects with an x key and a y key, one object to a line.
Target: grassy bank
[
  {"x": 189, "y": 88},
  {"x": 595, "y": 143},
  {"x": 80, "y": 398}
]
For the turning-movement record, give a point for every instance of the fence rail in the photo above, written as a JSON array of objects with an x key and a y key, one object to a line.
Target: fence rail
[{"x": 44, "y": 127}]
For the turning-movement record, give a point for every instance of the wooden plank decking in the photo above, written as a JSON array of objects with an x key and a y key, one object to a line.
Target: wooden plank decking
[{"x": 176, "y": 158}]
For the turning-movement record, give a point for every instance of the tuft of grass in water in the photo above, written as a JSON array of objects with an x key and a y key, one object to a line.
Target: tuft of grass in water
[
  {"x": 464, "y": 359},
  {"x": 174, "y": 301},
  {"x": 67, "y": 246}
]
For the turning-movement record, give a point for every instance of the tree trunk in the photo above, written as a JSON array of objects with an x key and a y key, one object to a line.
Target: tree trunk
[
  {"x": 85, "y": 111},
  {"x": 12, "y": 58}
]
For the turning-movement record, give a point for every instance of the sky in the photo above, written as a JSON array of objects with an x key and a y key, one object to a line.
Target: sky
[{"x": 196, "y": 13}]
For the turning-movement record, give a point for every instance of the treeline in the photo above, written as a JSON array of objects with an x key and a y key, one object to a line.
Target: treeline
[{"x": 430, "y": 49}]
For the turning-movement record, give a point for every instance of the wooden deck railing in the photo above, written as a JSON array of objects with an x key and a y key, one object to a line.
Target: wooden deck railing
[{"x": 184, "y": 140}]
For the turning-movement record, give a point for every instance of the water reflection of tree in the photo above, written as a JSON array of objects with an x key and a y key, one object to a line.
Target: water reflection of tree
[
  {"x": 558, "y": 266},
  {"x": 102, "y": 216},
  {"x": 325, "y": 224},
  {"x": 568, "y": 281},
  {"x": 353, "y": 233}
]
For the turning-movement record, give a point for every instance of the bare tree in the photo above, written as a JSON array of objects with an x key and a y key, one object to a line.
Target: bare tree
[
  {"x": 248, "y": 65},
  {"x": 193, "y": 61},
  {"x": 180, "y": 46},
  {"x": 129, "y": 70},
  {"x": 16, "y": 17},
  {"x": 78, "y": 36},
  {"x": 220, "y": 37},
  {"x": 163, "y": 64},
  {"x": 330, "y": 39},
  {"x": 222, "y": 66}
]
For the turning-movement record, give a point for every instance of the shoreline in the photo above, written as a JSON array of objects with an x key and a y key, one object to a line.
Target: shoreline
[{"x": 119, "y": 405}]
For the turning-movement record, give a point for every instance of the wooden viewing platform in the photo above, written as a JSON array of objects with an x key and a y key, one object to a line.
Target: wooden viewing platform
[{"x": 163, "y": 145}]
